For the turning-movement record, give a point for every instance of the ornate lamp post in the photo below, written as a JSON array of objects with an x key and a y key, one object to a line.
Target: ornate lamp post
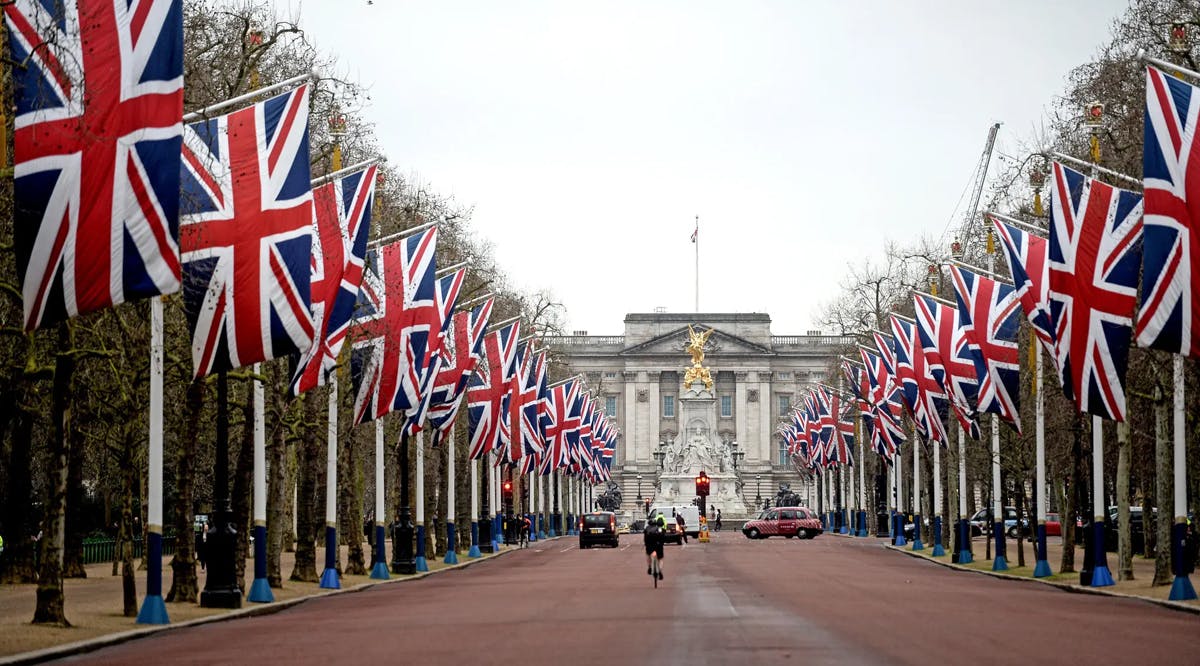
[
  {"x": 758, "y": 490},
  {"x": 639, "y": 480}
]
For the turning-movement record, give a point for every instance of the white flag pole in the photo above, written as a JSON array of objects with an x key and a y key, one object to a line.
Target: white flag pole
[
  {"x": 329, "y": 577},
  {"x": 379, "y": 570},
  {"x": 153, "y": 610},
  {"x": 260, "y": 589},
  {"x": 451, "y": 546}
]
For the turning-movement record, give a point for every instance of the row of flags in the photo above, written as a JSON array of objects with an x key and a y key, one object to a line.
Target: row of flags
[
  {"x": 1077, "y": 287},
  {"x": 116, "y": 198},
  {"x": 820, "y": 434}
]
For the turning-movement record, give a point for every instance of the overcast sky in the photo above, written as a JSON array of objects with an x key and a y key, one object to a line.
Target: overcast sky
[{"x": 588, "y": 136}]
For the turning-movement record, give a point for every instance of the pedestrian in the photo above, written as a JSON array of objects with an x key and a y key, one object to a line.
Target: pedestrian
[
  {"x": 718, "y": 520},
  {"x": 682, "y": 526}
]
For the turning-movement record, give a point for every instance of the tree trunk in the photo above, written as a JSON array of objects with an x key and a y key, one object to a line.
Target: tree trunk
[
  {"x": 279, "y": 483},
  {"x": 350, "y": 506},
  {"x": 951, "y": 465},
  {"x": 50, "y": 600},
  {"x": 307, "y": 455},
  {"x": 73, "y": 545},
  {"x": 125, "y": 533},
  {"x": 18, "y": 562},
  {"x": 1066, "y": 499},
  {"x": 1020, "y": 504},
  {"x": 184, "y": 586},
  {"x": 1163, "y": 491},
  {"x": 1124, "y": 544},
  {"x": 1149, "y": 535},
  {"x": 243, "y": 488}
]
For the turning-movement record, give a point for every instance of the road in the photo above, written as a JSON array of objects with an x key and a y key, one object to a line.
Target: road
[{"x": 828, "y": 600}]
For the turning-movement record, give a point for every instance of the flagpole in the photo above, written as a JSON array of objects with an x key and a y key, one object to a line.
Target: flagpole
[
  {"x": 964, "y": 530},
  {"x": 260, "y": 589},
  {"x": 1181, "y": 587},
  {"x": 421, "y": 563},
  {"x": 916, "y": 492},
  {"x": 379, "y": 570},
  {"x": 1042, "y": 568},
  {"x": 451, "y": 546},
  {"x": 329, "y": 577},
  {"x": 1000, "y": 563},
  {"x": 938, "y": 548},
  {"x": 153, "y": 610},
  {"x": 862, "y": 480},
  {"x": 696, "y": 242}
]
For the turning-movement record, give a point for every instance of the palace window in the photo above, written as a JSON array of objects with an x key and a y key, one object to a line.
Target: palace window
[
  {"x": 783, "y": 456},
  {"x": 610, "y": 406},
  {"x": 784, "y": 376},
  {"x": 785, "y": 404},
  {"x": 726, "y": 406},
  {"x": 668, "y": 407},
  {"x": 610, "y": 375}
]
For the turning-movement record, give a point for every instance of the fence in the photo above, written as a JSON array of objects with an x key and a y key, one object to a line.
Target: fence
[{"x": 104, "y": 550}]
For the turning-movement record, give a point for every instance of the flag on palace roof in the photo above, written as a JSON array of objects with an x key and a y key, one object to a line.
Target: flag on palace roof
[
  {"x": 1095, "y": 255},
  {"x": 340, "y": 224},
  {"x": 246, "y": 234},
  {"x": 397, "y": 281},
  {"x": 990, "y": 311},
  {"x": 1169, "y": 318},
  {"x": 98, "y": 100}
]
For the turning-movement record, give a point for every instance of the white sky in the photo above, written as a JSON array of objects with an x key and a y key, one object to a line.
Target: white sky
[{"x": 804, "y": 134}]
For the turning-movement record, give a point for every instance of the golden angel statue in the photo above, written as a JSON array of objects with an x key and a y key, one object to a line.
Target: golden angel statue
[{"x": 695, "y": 347}]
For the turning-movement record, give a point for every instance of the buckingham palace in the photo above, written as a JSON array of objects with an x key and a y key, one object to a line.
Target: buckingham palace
[{"x": 755, "y": 375}]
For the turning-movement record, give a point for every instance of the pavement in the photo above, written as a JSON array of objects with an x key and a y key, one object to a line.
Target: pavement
[{"x": 821, "y": 601}]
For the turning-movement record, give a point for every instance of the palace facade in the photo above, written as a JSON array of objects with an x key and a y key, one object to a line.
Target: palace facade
[{"x": 757, "y": 375}]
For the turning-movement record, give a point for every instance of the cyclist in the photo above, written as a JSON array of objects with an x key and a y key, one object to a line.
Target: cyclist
[
  {"x": 526, "y": 525},
  {"x": 653, "y": 536}
]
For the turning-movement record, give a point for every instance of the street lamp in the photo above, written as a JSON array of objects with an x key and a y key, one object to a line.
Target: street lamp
[
  {"x": 639, "y": 479},
  {"x": 758, "y": 489},
  {"x": 1037, "y": 181}
]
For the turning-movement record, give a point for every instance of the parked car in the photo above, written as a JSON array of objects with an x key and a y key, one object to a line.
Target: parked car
[
  {"x": 787, "y": 521},
  {"x": 1137, "y": 531},
  {"x": 910, "y": 530},
  {"x": 981, "y": 522},
  {"x": 598, "y": 528},
  {"x": 1053, "y": 525}
]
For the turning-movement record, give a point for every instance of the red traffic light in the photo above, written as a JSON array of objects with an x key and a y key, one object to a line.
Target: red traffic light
[
  {"x": 507, "y": 490},
  {"x": 702, "y": 484}
]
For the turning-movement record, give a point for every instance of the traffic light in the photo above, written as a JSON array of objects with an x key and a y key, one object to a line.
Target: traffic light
[
  {"x": 702, "y": 485},
  {"x": 506, "y": 491}
]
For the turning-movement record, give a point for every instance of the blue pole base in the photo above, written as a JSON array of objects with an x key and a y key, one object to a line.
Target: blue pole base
[
  {"x": 260, "y": 592},
  {"x": 1102, "y": 577},
  {"x": 964, "y": 557},
  {"x": 422, "y": 563},
  {"x": 451, "y": 545},
  {"x": 154, "y": 611},
  {"x": 1181, "y": 590},
  {"x": 541, "y": 534},
  {"x": 999, "y": 564},
  {"x": 329, "y": 580},
  {"x": 551, "y": 533},
  {"x": 474, "y": 551},
  {"x": 938, "y": 550},
  {"x": 917, "y": 545},
  {"x": 900, "y": 540},
  {"x": 380, "y": 571},
  {"x": 862, "y": 524},
  {"x": 1042, "y": 569},
  {"x": 843, "y": 529}
]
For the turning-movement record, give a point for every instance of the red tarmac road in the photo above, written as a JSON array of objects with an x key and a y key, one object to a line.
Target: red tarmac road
[{"x": 732, "y": 601}]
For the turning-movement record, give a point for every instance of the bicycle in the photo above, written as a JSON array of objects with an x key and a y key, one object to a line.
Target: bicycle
[
  {"x": 523, "y": 540},
  {"x": 655, "y": 564}
]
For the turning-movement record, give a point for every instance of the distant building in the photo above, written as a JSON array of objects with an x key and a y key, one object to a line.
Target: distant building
[{"x": 637, "y": 378}]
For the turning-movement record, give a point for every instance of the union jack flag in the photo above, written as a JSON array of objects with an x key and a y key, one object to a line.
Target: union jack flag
[
  {"x": 1170, "y": 315},
  {"x": 446, "y": 291},
  {"x": 1095, "y": 254},
  {"x": 341, "y": 223},
  {"x": 461, "y": 350},
  {"x": 944, "y": 343},
  {"x": 521, "y": 391},
  {"x": 246, "y": 234},
  {"x": 845, "y": 430},
  {"x": 99, "y": 109},
  {"x": 989, "y": 314},
  {"x": 1029, "y": 264},
  {"x": 487, "y": 393},
  {"x": 827, "y": 422},
  {"x": 399, "y": 279},
  {"x": 922, "y": 392},
  {"x": 886, "y": 410},
  {"x": 563, "y": 420}
]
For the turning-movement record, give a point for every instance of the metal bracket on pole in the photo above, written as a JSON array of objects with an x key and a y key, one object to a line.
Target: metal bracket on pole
[
  {"x": 1089, "y": 165},
  {"x": 378, "y": 242},
  {"x": 317, "y": 182},
  {"x": 936, "y": 298},
  {"x": 206, "y": 112}
]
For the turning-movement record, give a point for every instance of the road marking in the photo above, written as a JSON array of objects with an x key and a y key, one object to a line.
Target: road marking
[
  {"x": 624, "y": 547},
  {"x": 567, "y": 548}
]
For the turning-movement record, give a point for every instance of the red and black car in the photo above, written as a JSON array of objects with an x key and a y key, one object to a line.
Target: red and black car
[{"x": 787, "y": 521}]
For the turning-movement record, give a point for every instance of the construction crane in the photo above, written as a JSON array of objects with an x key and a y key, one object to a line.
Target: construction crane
[{"x": 969, "y": 230}]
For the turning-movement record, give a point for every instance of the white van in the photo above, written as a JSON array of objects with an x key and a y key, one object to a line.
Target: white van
[{"x": 691, "y": 519}]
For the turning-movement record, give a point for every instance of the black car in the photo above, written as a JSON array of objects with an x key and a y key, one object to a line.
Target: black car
[{"x": 598, "y": 528}]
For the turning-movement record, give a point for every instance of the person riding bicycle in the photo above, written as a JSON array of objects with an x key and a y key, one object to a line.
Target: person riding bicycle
[
  {"x": 526, "y": 526},
  {"x": 654, "y": 536}
]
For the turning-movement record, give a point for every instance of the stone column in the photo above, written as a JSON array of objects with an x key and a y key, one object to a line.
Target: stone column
[
  {"x": 654, "y": 398},
  {"x": 740, "y": 412},
  {"x": 765, "y": 423},
  {"x": 637, "y": 452}
]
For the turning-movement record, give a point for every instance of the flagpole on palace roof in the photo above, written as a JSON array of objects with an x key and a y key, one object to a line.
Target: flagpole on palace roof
[{"x": 696, "y": 242}]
